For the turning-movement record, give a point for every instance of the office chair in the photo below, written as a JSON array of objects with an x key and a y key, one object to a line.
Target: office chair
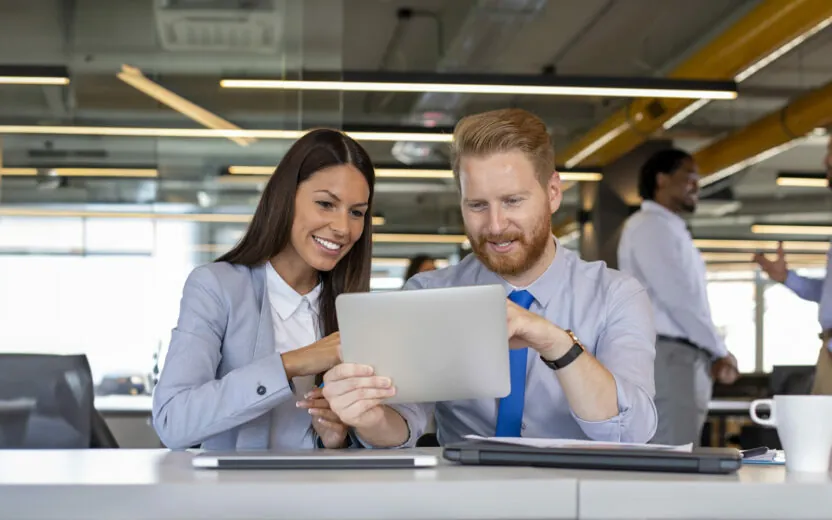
[{"x": 46, "y": 402}]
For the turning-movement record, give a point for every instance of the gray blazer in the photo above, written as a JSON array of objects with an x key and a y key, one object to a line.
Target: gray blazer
[{"x": 221, "y": 375}]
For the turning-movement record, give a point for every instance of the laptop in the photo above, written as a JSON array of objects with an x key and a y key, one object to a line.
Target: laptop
[
  {"x": 607, "y": 457},
  {"x": 435, "y": 344},
  {"x": 315, "y": 459}
]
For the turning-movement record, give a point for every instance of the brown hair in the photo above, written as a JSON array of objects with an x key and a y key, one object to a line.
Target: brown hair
[
  {"x": 270, "y": 229},
  {"x": 505, "y": 130}
]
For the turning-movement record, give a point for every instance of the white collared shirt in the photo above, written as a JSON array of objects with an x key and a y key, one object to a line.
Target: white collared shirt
[
  {"x": 658, "y": 250},
  {"x": 295, "y": 321}
]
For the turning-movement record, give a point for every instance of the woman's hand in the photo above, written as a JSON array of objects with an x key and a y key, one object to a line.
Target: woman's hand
[
  {"x": 331, "y": 430},
  {"x": 315, "y": 358}
]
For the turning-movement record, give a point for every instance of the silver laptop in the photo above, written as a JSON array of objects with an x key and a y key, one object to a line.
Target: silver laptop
[
  {"x": 435, "y": 344},
  {"x": 316, "y": 459}
]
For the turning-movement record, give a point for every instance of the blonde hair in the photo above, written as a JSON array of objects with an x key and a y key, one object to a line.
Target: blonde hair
[{"x": 505, "y": 130}]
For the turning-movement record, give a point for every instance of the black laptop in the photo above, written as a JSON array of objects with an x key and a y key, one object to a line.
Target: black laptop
[{"x": 606, "y": 457}]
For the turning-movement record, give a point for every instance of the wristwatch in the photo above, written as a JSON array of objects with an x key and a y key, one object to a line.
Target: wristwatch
[{"x": 570, "y": 356}]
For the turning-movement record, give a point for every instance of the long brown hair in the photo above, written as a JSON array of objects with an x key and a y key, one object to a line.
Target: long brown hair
[{"x": 269, "y": 231}]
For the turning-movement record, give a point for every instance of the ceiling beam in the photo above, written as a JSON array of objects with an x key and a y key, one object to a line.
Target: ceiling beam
[
  {"x": 753, "y": 38},
  {"x": 766, "y": 136}
]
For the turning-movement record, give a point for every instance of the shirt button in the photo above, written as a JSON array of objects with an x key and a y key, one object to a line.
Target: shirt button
[
  {"x": 523, "y": 426},
  {"x": 261, "y": 390}
]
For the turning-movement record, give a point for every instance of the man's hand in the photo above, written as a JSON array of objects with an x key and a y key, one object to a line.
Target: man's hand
[
  {"x": 724, "y": 370},
  {"x": 527, "y": 329},
  {"x": 331, "y": 430},
  {"x": 356, "y": 395},
  {"x": 776, "y": 269}
]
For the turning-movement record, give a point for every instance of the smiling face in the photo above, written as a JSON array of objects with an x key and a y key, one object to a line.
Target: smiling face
[
  {"x": 679, "y": 189},
  {"x": 330, "y": 208},
  {"x": 507, "y": 212}
]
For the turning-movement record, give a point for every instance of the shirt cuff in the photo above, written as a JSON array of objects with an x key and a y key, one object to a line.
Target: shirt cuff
[
  {"x": 411, "y": 416},
  {"x": 626, "y": 426},
  {"x": 792, "y": 280}
]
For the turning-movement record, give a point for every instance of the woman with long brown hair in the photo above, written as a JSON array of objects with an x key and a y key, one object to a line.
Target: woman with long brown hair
[{"x": 242, "y": 365}]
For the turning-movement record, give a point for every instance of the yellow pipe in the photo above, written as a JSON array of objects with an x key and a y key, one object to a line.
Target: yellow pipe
[
  {"x": 798, "y": 118},
  {"x": 762, "y": 31}
]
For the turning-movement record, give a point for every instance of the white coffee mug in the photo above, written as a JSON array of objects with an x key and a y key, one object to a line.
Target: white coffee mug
[{"x": 804, "y": 425}]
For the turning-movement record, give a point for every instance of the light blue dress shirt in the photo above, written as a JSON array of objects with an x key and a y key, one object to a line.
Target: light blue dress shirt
[
  {"x": 816, "y": 290},
  {"x": 658, "y": 250},
  {"x": 607, "y": 310}
]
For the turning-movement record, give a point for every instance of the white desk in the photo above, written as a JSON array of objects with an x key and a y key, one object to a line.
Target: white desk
[
  {"x": 758, "y": 492},
  {"x": 161, "y": 485}
]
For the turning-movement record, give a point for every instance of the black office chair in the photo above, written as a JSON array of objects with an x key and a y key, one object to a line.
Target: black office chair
[{"x": 46, "y": 402}]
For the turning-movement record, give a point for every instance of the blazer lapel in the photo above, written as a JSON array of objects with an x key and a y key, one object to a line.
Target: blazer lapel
[{"x": 255, "y": 434}]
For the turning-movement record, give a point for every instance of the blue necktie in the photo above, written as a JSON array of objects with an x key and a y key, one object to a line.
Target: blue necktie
[{"x": 510, "y": 411}]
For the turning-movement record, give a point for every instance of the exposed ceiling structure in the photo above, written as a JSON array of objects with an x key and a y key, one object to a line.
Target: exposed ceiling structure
[{"x": 187, "y": 46}]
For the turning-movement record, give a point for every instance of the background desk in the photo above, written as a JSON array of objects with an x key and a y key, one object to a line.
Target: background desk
[
  {"x": 756, "y": 492},
  {"x": 161, "y": 485}
]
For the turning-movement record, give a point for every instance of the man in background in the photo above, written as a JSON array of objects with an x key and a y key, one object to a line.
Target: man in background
[
  {"x": 657, "y": 249},
  {"x": 812, "y": 289},
  {"x": 582, "y": 334}
]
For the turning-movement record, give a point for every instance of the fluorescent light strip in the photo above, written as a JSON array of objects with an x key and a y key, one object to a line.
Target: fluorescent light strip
[
  {"x": 751, "y": 70},
  {"x": 397, "y": 238},
  {"x": 404, "y": 173},
  {"x": 751, "y": 161},
  {"x": 755, "y": 67},
  {"x": 683, "y": 114},
  {"x": 803, "y": 182},
  {"x": 33, "y": 80},
  {"x": 211, "y": 133},
  {"x": 458, "y": 88},
  {"x": 779, "y": 229},
  {"x": 191, "y": 217},
  {"x": 134, "y": 77},
  {"x": 84, "y": 172},
  {"x": 598, "y": 143},
  {"x": 746, "y": 257},
  {"x": 760, "y": 245}
]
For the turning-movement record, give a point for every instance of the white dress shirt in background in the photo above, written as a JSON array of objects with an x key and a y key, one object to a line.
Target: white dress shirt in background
[
  {"x": 295, "y": 320},
  {"x": 657, "y": 249}
]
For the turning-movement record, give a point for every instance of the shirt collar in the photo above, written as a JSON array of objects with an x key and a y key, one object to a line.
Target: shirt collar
[
  {"x": 284, "y": 299},
  {"x": 547, "y": 284},
  {"x": 649, "y": 206}
]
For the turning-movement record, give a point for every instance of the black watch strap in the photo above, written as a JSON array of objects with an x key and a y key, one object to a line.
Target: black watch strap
[{"x": 570, "y": 356}]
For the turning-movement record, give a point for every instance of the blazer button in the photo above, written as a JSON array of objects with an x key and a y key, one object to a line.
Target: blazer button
[{"x": 261, "y": 390}]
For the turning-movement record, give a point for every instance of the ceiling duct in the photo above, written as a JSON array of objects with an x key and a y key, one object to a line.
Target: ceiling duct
[
  {"x": 245, "y": 26},
  {"x": 488, "y": 29}
]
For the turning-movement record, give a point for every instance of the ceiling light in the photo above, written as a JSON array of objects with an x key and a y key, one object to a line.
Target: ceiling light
[
  {"x": 191, "y": 217},
  {"x": 134, "y": 77},
  {"x": 401, "y": 238},
  {"x": 361, "y": 81},
  {"x": 750, "y": 161},
  {"x": 84, "y": 172},
  {"x": 780, "y": 229},
  {"x": 61, "y": 213},
  {"x": 33, "y": 75},
  {"x": 594, "y": 146},
  {"x": 713, "y": 256},
  {"x": 751, "y": 70},
  {"x": 803, "y": 180},
  {"x": 211, "y": 133},
  {"x": 414, "y": 173},
  {"x": 759, "y": 245}
]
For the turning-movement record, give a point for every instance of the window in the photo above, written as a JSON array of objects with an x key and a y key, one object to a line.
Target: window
[
  {"x": 790, "y": 335},
  {"x": 731, "y": 296}
]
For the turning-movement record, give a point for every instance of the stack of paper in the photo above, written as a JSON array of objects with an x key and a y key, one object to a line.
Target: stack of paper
[{"x": 574, "y": 443}]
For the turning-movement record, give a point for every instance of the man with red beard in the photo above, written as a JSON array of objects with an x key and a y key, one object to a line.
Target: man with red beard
[{"x": 582, "y": 354}]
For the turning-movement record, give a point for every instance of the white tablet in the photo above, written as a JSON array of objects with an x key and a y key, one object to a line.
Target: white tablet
[{"x": 435, "y": 344}]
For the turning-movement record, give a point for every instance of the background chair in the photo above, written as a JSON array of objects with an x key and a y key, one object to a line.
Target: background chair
[{"x": 46, "y": 402}]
